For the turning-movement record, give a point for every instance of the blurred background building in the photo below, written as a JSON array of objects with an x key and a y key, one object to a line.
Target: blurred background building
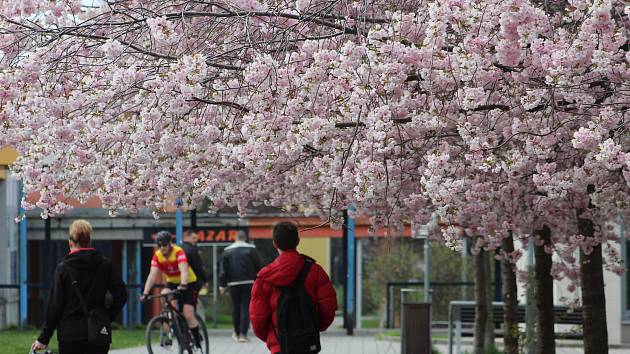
[{"x": 9, "y": 238}]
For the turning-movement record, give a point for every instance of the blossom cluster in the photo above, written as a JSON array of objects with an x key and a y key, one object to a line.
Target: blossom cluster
[{"x": 499, "y": 116}]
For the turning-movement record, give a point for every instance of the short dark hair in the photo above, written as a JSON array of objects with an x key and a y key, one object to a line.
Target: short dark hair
[{"x": 285, "y": 235}]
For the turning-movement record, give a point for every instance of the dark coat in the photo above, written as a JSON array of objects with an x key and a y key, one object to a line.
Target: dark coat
[
  {"x": 195, "y": 262},
  {"x": 265, "y": 294},
  {"x": 239, "y": 264},
  {"x": 95, "y": 277}
]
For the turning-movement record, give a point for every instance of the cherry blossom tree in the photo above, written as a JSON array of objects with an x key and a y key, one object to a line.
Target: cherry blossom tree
[
  {"x": 507, "y": 117},
  {"x": 506, "y": 104}
]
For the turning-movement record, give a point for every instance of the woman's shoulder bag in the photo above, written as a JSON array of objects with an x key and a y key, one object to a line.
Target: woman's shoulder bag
[{"x": 99, "y": 326}]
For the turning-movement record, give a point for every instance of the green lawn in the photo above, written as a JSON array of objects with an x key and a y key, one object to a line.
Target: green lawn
[
  {"x": 15, "y": 342},
  {"x": 396, "y": 334},
  {"x": 373, "y": 322}
]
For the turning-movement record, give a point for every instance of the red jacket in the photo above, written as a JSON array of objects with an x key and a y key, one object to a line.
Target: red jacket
[{"x": 265, "y": 293}]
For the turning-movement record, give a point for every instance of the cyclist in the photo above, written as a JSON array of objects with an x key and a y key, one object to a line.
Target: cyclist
[{"x": 171, "y": 260}]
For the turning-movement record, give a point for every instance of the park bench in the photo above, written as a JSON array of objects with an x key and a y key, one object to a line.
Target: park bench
[{"x": 463, "y": 312}]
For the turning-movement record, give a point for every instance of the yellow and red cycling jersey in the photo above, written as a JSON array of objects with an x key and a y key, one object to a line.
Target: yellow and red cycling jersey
[{"x": 170, "y": 265}]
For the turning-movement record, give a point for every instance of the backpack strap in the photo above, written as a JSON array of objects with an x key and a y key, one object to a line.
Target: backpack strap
[
  {"x": 303, "y": 273},
  {"x": 75, "y": 285}
]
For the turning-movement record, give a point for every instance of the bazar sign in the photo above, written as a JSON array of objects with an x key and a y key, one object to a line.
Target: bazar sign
[{"x": 204, "y": 234}]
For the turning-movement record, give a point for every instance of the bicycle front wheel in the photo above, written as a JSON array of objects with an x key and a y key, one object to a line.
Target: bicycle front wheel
[
  {"x": 162, "y": 337},
  {"x": 203, "y": 330}
]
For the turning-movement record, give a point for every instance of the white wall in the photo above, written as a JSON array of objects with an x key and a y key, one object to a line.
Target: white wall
[
  {"x": 613, "y": 289},
  {"x": 9, "y": 266}
]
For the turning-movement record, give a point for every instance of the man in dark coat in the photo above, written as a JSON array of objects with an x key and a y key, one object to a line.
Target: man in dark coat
[
  {"x": 239, "y": 264},
  {"x": 196, "y": 263},
  {"x": 282, "y": 272},
  {"x": 194, "y": 256},
  {"x": 95, "y": 276}
]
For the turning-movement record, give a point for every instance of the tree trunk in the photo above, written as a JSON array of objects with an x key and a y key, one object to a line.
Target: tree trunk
[
  {"x": 593, "y": 296},
  {"x": 545, "y": 331},
  {"x": 481, "y": 309},
  {"x": 510, "y": 334},
  {"x": 489, "y": 333}
]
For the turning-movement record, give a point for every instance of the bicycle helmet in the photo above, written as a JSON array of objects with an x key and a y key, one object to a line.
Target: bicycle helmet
[{"x": 163, "y": 237}]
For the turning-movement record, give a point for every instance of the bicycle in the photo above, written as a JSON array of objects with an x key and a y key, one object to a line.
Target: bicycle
[{"x": 169, "y": 333}]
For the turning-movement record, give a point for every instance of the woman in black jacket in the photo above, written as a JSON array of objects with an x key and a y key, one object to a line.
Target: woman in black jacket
[{"x": 95, "y": 276}]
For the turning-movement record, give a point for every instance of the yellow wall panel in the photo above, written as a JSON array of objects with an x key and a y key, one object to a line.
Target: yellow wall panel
[
  {"x": 7, "y": 155},
  {"x": 3, "y": 173},
  {"x": 318, "y": 249}
]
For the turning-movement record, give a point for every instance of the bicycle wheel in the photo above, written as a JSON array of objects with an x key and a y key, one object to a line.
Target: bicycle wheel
[
  {"x": 162, "y": 336},
  {"x": 192, "y": 347},
  {"x": 203, "y": 330}
]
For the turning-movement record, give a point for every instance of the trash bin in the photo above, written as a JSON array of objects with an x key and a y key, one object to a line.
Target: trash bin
[{"x": 415, "y": 337}]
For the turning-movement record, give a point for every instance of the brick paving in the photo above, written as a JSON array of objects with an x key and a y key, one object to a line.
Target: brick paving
[
  {"x": 443, "y": 348},
  {"x": 334, "y": 342}
]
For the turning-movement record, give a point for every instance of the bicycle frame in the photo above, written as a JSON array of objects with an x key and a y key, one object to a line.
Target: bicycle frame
[{"x": 178, "y": 319}]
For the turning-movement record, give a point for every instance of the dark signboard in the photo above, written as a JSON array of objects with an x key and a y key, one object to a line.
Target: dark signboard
[{"x": 206, "y": 235}]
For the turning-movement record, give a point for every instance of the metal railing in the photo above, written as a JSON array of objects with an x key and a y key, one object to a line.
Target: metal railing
[{"x": 439, "y": 299}]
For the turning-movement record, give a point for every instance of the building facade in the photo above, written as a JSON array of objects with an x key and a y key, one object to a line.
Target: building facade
[
  {"x": 9, "y": 242},
  {"x": 128, "y": 240}
]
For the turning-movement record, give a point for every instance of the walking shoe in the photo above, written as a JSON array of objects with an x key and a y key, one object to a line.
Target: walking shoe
[
  {"x": 235, "y": 336},
  {"x": 243, "y": 339}
]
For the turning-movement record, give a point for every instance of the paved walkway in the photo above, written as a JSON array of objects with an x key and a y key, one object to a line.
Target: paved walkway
[
  {"x": 443, "y": 348},
  {"x": 332, "y": 343}
]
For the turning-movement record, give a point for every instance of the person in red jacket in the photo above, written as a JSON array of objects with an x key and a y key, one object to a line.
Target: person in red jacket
[{"x": 282, "y": 272}]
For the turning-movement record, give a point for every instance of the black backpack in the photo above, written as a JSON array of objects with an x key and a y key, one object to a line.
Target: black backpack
[{"x": 298, "y": 322}]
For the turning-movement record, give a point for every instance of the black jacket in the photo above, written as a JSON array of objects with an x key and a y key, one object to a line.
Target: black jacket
[
  {"x": 239, "y": 264},
  {"x": 95, "y": 276},
  {"x": 195, "y": 262}
]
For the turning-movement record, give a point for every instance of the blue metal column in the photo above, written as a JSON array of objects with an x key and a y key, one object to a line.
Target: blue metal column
[
  {"x": 125, "y": 278},
  {"x": 179, "y": 221},
  {"x": 138, "y": 281},
  {"x": 350, "y": 276},
  {"x": 23, "y": 262}
]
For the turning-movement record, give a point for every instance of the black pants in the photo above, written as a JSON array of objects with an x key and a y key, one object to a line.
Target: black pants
[
  {"x": 81, "y": 347},
  {"x": 241, "y": 294}
]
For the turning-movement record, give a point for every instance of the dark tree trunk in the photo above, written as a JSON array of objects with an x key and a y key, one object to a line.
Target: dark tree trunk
[
  {"x": 545, "y": 340},
  {"x": 510, "y": 299},
  {"x": 481, "y": 309},
  {"x": 593, "y": 296},
  {"x": 489, "y": 341}
]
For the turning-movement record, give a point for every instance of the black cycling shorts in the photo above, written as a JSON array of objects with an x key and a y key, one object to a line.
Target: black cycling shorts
[{"x": 189, "y": 296}]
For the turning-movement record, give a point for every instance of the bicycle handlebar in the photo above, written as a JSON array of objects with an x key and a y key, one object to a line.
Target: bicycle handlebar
[{"x": 172, "y": 293}]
